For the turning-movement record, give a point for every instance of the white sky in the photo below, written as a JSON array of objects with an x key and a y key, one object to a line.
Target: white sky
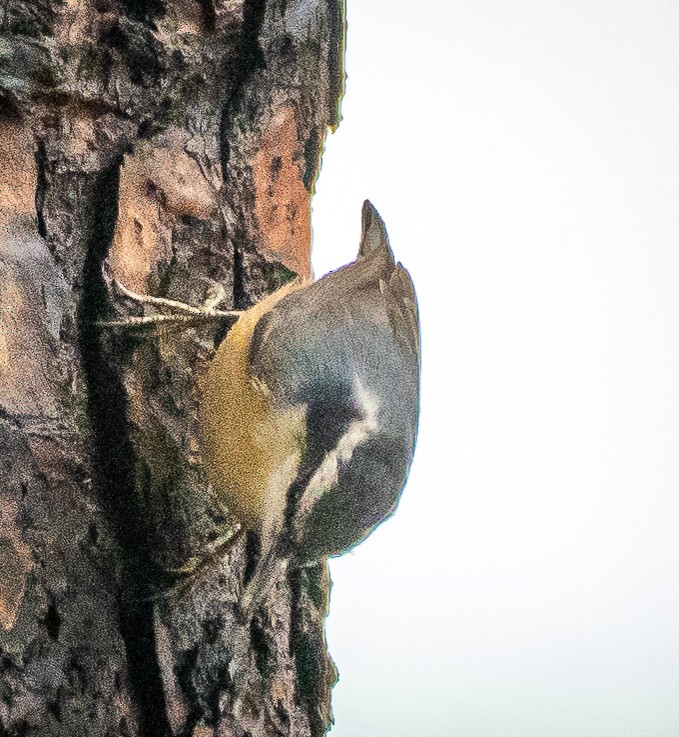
[{"x": 525, "y": 158}]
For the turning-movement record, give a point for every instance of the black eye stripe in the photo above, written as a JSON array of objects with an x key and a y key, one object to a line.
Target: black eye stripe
[{"x": 327, "y": 420}]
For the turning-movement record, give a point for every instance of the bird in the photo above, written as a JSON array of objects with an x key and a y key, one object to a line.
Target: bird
[{"x": 309, "y": 410}]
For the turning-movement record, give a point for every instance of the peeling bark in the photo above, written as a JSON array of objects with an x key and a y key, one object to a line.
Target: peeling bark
[{"x": 178, "y": 143}]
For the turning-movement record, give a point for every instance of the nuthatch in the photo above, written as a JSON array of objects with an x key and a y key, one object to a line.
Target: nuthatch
[{"x": 310, "y": 408}]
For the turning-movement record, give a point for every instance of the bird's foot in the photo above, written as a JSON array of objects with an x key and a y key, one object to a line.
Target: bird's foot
[
  {"x": 188, "y": 314},
  {"x": 176, "y": 581}
]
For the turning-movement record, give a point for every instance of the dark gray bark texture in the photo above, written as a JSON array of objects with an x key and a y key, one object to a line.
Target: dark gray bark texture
[{"x": 173, "y": 145}]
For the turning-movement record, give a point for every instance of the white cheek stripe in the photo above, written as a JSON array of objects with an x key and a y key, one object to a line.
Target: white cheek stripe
[{"x": 359, "y": 431}]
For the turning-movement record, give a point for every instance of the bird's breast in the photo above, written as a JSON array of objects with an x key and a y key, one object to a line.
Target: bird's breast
[{"x": 251, "y": 446}]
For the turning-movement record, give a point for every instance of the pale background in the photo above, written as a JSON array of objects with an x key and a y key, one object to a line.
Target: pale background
[{"x": 525, "y": 157}]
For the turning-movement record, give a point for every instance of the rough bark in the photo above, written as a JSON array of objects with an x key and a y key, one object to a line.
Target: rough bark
[{"x": 176, "y": 141}]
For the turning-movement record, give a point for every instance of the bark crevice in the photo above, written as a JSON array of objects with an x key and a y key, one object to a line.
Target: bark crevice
[
  {"x": 40, "y": 189},
  {"x": 247, "y": 58},
  {"x": 114, "y": 464}
]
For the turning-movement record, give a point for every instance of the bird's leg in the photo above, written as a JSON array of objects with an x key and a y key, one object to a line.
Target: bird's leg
[
  {"x": 216, "y": 549},
  {"x": 208, "y": 308},
  {"x": 215, "y": 297},
  {"x": 192, "y": 314},
  {"x": 177, "y": 581}
]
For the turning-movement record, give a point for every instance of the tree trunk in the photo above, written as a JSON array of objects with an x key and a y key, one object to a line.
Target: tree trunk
[{"x": 173, "y": 145}]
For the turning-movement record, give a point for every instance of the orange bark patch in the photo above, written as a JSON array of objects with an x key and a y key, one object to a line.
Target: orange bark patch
[
  {"x": 159, "y": 184},
  {"x": 202, "y": 732},
  {"x": 24, "y": 360},
  {"x": 12, "y": 583},
  {"x": 18, "y": 174},
  {"x": 15, "y": 562},
  {"x": 184, "y": 18},
  {"x": 282, "y": 202}
]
